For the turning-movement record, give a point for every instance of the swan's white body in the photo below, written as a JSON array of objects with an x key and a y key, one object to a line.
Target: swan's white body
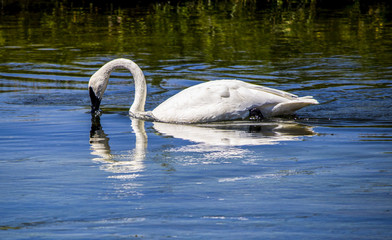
[{"x": 206, "y": 102}]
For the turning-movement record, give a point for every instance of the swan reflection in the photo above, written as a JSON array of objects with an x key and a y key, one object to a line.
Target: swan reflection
[
  {"x": 236, "y": 133},
  {"x": 215, "y": 140},
  {"x": 99, "y": 141},
  {"x": 215, "y": 143},
  {"x": 126, "y": 165},
  {"x": 212, "y": 143}
]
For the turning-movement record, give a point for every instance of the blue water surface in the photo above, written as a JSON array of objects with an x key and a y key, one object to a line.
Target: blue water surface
[{"x": 323, "y": 174}]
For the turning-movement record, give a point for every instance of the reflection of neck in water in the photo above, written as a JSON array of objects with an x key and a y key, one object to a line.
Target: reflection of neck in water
[
  {"x": 123, "y": 164},
  {"x": 141, "y": 139}
]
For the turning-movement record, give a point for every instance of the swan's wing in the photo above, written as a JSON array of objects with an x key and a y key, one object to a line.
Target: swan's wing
[
  {"x": 199, "y": 103},
  {"x": 219, "y": 100},
  {"x": 273, "y": 102},
  {"x": 276, "y": 92}
]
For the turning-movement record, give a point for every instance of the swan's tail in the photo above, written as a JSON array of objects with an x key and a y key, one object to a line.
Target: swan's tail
[{"x": 287, "y": 108}]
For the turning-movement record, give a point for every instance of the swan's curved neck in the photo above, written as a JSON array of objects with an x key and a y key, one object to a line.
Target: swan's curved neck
[{"x": 99, "y": 81}]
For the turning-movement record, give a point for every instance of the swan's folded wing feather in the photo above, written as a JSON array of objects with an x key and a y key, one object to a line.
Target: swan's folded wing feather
[
  {"x": 199, "y": 103},
  {"x": 290, "y": 107},
  {"x": 276, "y": 92},
  {"x": 221, "y": 100}
]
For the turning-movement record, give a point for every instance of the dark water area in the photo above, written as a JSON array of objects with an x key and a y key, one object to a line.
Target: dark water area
[{"x": 323, "y": 174}]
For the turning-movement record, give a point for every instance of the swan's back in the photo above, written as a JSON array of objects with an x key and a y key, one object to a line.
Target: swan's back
[{"x": 227, "y": 100}]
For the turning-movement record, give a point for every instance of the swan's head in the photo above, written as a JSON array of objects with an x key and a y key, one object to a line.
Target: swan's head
[
  {"x": 99, "y": 81},
  {"x": 96, "y": 87}
]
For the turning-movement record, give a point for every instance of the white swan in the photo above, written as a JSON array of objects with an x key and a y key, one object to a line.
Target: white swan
[{"x": 206, "y": 102}]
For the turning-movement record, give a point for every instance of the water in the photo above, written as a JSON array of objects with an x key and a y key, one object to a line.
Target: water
[{"x": 325, "y": 174}]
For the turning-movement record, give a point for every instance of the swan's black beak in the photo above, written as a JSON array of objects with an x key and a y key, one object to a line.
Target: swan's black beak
[{"x": 95, "y": 101}]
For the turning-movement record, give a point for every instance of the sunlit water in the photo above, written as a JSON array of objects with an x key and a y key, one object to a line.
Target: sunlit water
[{"x": 323, "y": 174}]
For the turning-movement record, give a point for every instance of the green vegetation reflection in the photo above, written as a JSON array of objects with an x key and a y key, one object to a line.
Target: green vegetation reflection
[{"x": 208, "y": 30}]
